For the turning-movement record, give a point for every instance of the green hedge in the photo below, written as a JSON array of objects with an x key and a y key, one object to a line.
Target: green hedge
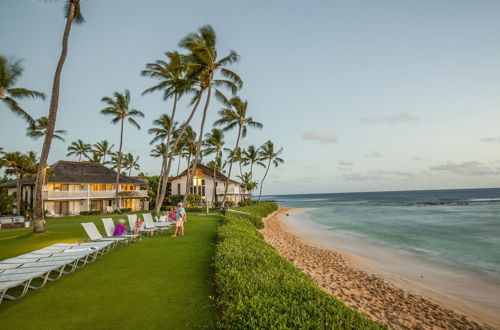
[{"x": 257, "y": 288}]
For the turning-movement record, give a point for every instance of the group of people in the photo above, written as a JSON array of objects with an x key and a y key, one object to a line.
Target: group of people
[{"x": 176, "y": 215}]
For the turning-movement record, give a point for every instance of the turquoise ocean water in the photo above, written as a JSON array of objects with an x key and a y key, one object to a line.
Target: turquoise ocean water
[{"x": 457, "y": 227}]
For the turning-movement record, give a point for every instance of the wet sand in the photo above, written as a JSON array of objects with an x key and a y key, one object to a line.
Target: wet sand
[{"x": 348, "y": 277}]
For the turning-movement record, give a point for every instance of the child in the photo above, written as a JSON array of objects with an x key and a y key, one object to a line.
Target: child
[{"x": 139, "y": 226}]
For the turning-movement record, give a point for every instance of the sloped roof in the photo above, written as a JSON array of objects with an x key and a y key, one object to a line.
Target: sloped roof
[
  {"x": 80, "y": 172},
  {"x": 207, "y": 171}
]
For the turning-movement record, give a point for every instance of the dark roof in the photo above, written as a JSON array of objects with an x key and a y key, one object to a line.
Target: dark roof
[
  {"x": 207, "y": 171},
  {"x": 80, "y": 172}
]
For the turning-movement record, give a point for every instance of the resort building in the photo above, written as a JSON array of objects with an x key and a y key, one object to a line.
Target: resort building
[
  {"x": 204, "y": 182},
  {"x": 73, "y": 187}
]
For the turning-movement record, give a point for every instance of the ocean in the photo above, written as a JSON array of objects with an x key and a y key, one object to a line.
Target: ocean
[{"x": 455, "y": 228}]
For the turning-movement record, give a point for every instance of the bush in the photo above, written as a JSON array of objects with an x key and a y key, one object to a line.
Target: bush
[
  {"x": 90, "y": 212},
  {"x": 247, "y": 202},
  {"x": 257, "y": 288}
]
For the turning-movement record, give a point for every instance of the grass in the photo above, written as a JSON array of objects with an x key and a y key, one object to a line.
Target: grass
[{"x": 161, "y": 282}]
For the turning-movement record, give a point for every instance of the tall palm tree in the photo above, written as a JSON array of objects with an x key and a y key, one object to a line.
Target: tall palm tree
[
  {"x": 269, "y": 155},
  {"x": 9, "y": 74},
  {"x": 159, "y": 150},
  {"x": 161, "y": 132},
  {"x": 251, "y": 156},
  {"x": 130, "y": 163},
  {"x": 174, "y": 82},
  {"x": 118, "y": 108},
  {"x": 73, "y": 14},
  {"x": 235, "y": 116},
  {"x": 203, "y": 63},
  {"x": 214, "y": 142},
  {"x": 79, "y": 148},
  {"x": 236, "y": 156},
  {"x": 39, "y": 129},
  {"x": 19, "y": 165},
  {"x": 102, "y": 149}
]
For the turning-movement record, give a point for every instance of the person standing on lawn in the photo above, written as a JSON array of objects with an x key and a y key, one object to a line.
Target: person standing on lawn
[{"x": 180, "y": 218}]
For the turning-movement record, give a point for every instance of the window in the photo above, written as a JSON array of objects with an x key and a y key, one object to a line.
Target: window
[{"x": 178, "y": 189}]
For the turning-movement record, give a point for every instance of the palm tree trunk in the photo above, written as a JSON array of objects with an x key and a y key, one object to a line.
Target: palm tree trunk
[
  {"x": 18, "y": 194},
  {"x": 231, "y": 167},
  {"x": 215, "y": 187},
  {"x": 179, "y": 165},
  {"x": 167, "y": 145},
  {"x": 202, "y": 126},
  {"x": 118, "y": 168},
  {"x": 80, "y": 158},
  {"x": 159, "y": 179},
  {"x": 38, "y": 221},
  {"x": 262, "y": 182},
  {"x": 170, "y": 157},
  {"x": 251, "y": 175},
  {"x": 188, "y": 171}
]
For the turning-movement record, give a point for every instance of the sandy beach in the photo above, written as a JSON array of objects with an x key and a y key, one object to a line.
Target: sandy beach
[{"x": 340, "y": 275}]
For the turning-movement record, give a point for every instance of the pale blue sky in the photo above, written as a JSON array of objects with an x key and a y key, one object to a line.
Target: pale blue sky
[{"x": 403, "y": 94}]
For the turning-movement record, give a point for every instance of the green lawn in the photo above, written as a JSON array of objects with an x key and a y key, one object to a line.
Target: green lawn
[{"x": 160, "y": 282}]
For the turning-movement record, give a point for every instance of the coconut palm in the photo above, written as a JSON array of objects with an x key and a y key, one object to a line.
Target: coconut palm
[
  {"x": 73, "y": 14},
  {"x": 174, "y": 82},
  {"x": 1, "y": 151},
  {"x": 246, "y": 182},
  {"x": 214, "y": 142},
  {"x": 269, "y": 155},
  {"x": 94, "y": 158},
  {"x": 79, "y": 148},
  {"x": 235, "y": 116},
  {"x": 9, "y": 74},
  {"x": 203, "y": 63},
  {"x": 159, "y": 150},
  {"x": 39, "y": 129},
  {"x": 102, "y": 149},
  {"x": 235, "y": 156},
  {"x": 161, "y": 132},
  {"x": 130, "y": 163},
  {"x": 250, "y": 156},
  {"x": 19, "y": 165},
  {"x": 118, "y": 109}
]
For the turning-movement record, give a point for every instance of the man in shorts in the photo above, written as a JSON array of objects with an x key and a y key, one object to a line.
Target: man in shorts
[{"x": 180, "y": 217}]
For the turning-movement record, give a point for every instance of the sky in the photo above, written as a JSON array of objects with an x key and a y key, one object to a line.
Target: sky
[{"x": 361, "y": 95}]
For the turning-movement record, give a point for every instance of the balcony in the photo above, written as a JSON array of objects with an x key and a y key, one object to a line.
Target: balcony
[{"x": 91, "y": 194}]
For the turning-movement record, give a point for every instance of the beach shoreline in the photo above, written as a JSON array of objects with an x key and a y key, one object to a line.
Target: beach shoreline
[{"x": 381, "y": 296}]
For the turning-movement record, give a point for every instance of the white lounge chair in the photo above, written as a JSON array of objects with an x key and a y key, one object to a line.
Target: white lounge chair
[
  {"x": 148, "y": 221},
  {"x": 52, "y": 213},
  {"x": 132, "y": 219},
  {"x": 95, "y": 236},
  {"x": 109, "y": 228}
]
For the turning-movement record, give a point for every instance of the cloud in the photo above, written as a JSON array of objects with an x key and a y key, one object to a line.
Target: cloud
[
  {"x": 321, "y": 136},
  {"x": 375, "y": 155},
  {"x": 346, "y": 163},
  {"x": 418, "y": 159},
  {"x": 378, "y": 175},
  {"x": 402, "y": 117},
  {"x": 492, "y": 140},
  {"x": 470, "y": 168}
]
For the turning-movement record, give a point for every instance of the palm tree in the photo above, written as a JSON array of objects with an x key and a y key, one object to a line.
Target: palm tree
[
  {"x": 250, "y": 156},
  {"x": 235, "y": 116},
  {"x": 246, "y": 182},
  {"x": 9, "y": 74},
  {"x": 158, "y": 151},
  {"x": 214, "y": 142},
  {"x": 161, "y": 132},
  {"x": 1, "y": 151},
  {"x": 94, "y": 158},
  {"x": 73, "y": 14},
  {"x": 235, "y": 156},
  {"x": 118, "y": 108},
  {"x": 102, "y": 149},
  {"x": 79, "y": 148},
  {"x": 203, "y": 64},
  {"x": 39, "y": 129},
  {"x": 174, "y": 82},
  {"x": 267, "y": 153},
  {"x": 19, "y": 165},
  {"x": 130, "y": 163}
]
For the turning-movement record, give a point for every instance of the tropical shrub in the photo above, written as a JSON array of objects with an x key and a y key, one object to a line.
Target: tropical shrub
[
  {"x": 193, "y": 200},
  {"x": 259, "y": 289},
  {"x": 247, "y": 202},
  {"x": 90, "y": 212},
  {"x": 6, "y": 202}
]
